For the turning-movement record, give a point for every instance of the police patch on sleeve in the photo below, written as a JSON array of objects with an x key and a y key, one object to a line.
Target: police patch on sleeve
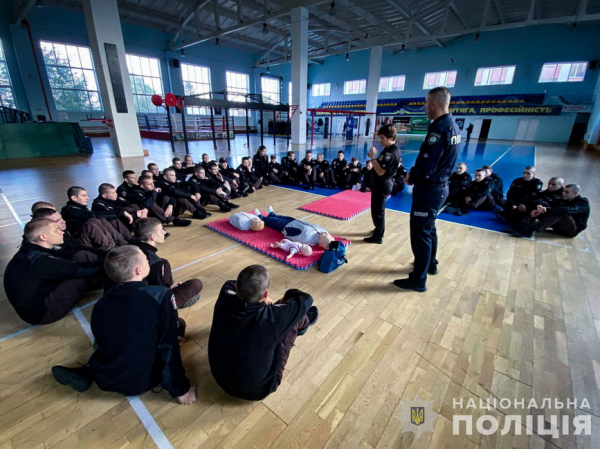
[
  {"x": 388, "y": 157},
  {"x": 173, "y": 302},
  {"x": 433, "y": 138}
]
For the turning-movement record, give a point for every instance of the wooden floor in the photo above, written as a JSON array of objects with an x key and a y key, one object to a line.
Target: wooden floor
[{"x": 505, "y": 318}]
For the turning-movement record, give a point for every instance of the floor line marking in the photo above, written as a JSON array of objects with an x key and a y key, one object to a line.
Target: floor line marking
[
  {"x": 206, "y": 257},
  {"x": 12, "y": 209},
  {"x": 503, "y": 154},
  {"x": 25, "y": 199}
]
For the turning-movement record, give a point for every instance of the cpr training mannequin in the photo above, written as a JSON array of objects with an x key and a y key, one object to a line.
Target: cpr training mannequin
[
  {"x": 292, "y": 248},
  {"x": 297, "y": 230},
  {"x": 245, "y": 222}
]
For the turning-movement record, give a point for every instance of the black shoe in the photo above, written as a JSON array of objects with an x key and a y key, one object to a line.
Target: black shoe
[
  {"x": 244, "y": 194},
  {"x": 181, "y": 222},
  {"x": 450, "y": 210},
  {"x": 373, "y": 239},
  {"x": 231, "y": 205},
  {"x": 260, "y": 187},
  {"x": 200, "y": 214},
  {"x": 313, "y": 316},
  {"x": 167, "y": 235},
  {"x": 224, "y": 208},
  {"x": 433, "y": 271},
  {"x": 408, "y": 284},
  {"x": 78, "y": 378},
  {"x": 524, "y": 234},
  {"x": 461, "y": 212},
  {"x": 234, "y": 196}
]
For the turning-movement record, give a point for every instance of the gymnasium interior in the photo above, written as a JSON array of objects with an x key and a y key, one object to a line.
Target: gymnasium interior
[{"x": 501, "y": 351}]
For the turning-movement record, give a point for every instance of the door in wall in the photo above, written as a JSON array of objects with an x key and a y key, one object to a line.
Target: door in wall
[
  {"x": 338, "y": 125},
  {"x": 485, "y": 128},
  {"x": 579, "y": 128},
  {"x": 526, "y": 129}
]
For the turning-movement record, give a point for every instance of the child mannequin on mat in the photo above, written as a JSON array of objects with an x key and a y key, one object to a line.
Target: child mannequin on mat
[{"x": 292, "y": 248}]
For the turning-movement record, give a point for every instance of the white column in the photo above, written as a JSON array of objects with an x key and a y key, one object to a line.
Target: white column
[
  {"x": 372, "y": 87},
  {"x": 593, "y": 131},
  {"x": 104, "y": 26},
  {"x": 299, "y": 75}
]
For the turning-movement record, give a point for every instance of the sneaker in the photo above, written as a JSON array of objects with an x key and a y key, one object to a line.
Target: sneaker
[
  {"x": 271, "y": 211},
  {"x": 231, "y": 205},
  {"x": 313, "y": 316},
  {"x": 257, "y": 212},
  {"x": 190, "y": 302},
  {"x": 409, "y": 284},
  {"x": 181, "y": 222},
  {"x": 77, "y": 378},
  {"x": 373, "y": 239}
]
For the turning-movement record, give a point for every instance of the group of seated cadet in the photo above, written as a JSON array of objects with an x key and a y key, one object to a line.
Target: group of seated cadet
[
  {"x": 458, "y": 181},
  {"x": 262, "y": 167},
  {"x": 109, "y": 200},
  {"x": 42, "y": 281},
  {"x": 399, "y": 180},
  {"x": 95, "y": 228},
  {"x": 212, "y": 188},
  {"x": 477, "y": 195},
  {"x": 159, "y": 205},
  {"x": 248, "y": 175}
]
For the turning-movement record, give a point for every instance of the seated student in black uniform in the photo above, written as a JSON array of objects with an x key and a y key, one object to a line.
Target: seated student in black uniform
[
  {"x": 149, "y": 233},
  {"x": 366, "y": 176},
  {"x": 530, "y": 203},
  {"x": 212, "y": 191},
  {"x": 290, "y": 168},
  {"x": 232, "y": 177},
  {"x": 252, "y": 336},
  {"x": 205, "y": 161},
  {"x": 498, "y": 189},
  {"x": 353, "y": 172},
  {"x": 275, "y": 171},
  {"x": 189, "y": 164},
  {"x": 181, "y": 173},
  {"x": 567, "y": 216},
  {"x": 458, "y": 181},
  {"x": 399, "y": 180},
  {"x": 521, "y": 188},
  {"x": 247, "y": 176},
  {"x": 477, "y": 195},
  {"x": 41, "y": 205},
  {"x": 255, "y": 174},
  {"x": 92, "y": 227},
  {"x": 324, "y": 175},
  {"x": 155, "y": 171},
  {"x": 338, "y": 166},
  {"x": 260, "y": 162},
  {"x": 42, "y": 285},
  {"x": 109, "y": 200},
  {"x": 125, "y": 190},
  {"x": 159, "y": 205},
  {"x": 136, "y": 329},
  {"x": 184, "y": 200},
  {"x": 307, "y": 172}
]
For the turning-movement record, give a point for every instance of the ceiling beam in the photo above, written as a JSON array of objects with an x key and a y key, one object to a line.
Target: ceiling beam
[
  {"x": 486, "y": 12},
  {"x": 582, "y": 8},
  {"x": 194, "y": 11},
  {"x": 500, "y": 10},
  {"x": 459, "y": 14},
  {"x": 405, "y": 12},
  {"x": 364, "y": 14},
  {"x": 23, "y": 9}
]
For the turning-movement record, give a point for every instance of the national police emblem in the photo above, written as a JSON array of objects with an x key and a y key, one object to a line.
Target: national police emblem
[
  {"x": 417, "y": 416},
  {"x": 433, "y": 138}
]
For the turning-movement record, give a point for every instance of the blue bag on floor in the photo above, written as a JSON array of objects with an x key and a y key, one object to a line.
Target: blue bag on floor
[{"x": 333, "y": 257}]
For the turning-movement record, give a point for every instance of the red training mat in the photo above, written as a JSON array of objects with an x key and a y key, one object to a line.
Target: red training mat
[
  {"x": 261, "y": 240},
  {"x": 343, "y": 206}
]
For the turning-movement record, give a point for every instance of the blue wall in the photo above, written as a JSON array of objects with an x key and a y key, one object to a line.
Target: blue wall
[{"x": 527, "y": 48}]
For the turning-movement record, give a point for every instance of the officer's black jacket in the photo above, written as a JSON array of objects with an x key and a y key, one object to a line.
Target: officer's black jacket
[
  {"x": 520, "y": 189},
  {"x": 438, "y": 152},
  {"x": 175, "y": 189},
  {"x": 147, "y": 199},
  {"x": 578, "y": 208},
  {"x": 206, "y": 185},
  {"x": 462, "y": 180},
  {"x": 189, "y": 169},
  {"x": 366, "y": 177},
  {"x": 157, "y": 264},
  {"x": 248, "y": 175},
  {"x": 34, "y": 271},
  {"x": 244, "y": 347},
  {"x": 261, "y": 163},
  {"x": 400, "y": 174},
  {"x": 389, "y": 159},
  {"x": 126, "y": 191},
  {"x": 181, "y": 173},
  {"x": 204, "y": 165},
  {"x": 276, "y": 166},
  {"x": 103, "y": 204},
  {"x": 352, "y": 167},
  {"x": 71, "y": 245},
  {"x": 304, "y": 163},
  {"x": 323, "y": 166},
  {"x": 544, "y": 198},
  {"x": 498, "y": 189},
  {"x": 476, "y": 190},
  {"x": 227, "y": 173},
  {"x": 338, "y": 166},
  {"x": 76, "y": 215},
  {"x": 135, "y": 327},
  {"x": 290, "y": 166}
]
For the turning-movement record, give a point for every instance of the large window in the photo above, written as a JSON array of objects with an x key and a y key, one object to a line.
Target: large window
[
  {"x": 491, "y": 76},
  {"x": 238, "y": 84},
  {"x": 355, "y": 87},
  {"x": 144, "y": 74},
  {"x": 558, "y": 72},
  {"x": 271, "y": 89},
  {"x": 72, "y": 77},
  {"x": 6, "y": 93},
  {"x": 321, "y": 90},
  {"x": 436, "y": 79},
  {"x": 392, "y": 83},
  {"x": 196, "y": 81}
]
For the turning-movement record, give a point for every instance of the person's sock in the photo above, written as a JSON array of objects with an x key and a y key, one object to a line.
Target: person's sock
[{"x": 271, "y": 211}]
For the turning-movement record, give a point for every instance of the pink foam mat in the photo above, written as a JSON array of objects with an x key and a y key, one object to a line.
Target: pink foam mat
[
  {"x": 343, "y": 206},
  {"x": 262, "y": 240}
]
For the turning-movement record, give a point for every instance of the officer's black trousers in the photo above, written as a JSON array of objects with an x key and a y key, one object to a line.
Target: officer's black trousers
[
  {"x": 427, "y": 201},
  {"x": 379, "y": 193}
]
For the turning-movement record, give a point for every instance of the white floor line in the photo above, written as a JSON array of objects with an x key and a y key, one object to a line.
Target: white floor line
[
  {"x": 19, "y": 332},
  {"x": 565, "y": 246},
  {"x": 12, "y": 209},
  {"x": 9, "y": 224},
  {"x": 503, "y": 154},
  {"x": 206, "y": 257},
  {"x": 25, "y": 199}
]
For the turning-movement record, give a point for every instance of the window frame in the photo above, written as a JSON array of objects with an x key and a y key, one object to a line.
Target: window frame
[
  {"x": 237, "y": 91},
  {"x": 144, "y": 76},
  {"x": 8, "y": 86},
  {"x": 266, "y": 93},
  {"x": 362, "y": 87},
  {"x": 487, "y": 73},
  {"x": 205, "y": 86},
  {"x": 390, "y": 83},
  {"x": 439, "y": 76},
  {"x": 320, "y": 90},
  {"x": 559, "y": 66}
]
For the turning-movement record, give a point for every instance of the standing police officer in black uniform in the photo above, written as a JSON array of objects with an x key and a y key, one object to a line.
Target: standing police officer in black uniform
[
  {"x": 429, "y": 176},
  {"x": 384, "y": 167}
]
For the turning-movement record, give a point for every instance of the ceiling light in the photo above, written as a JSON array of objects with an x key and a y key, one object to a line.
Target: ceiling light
[
  {"x": 332, "y": 10},
  {"x": 268, "y": 69},
  {"x": 347, "y": 56},
  {"x": 477, "y": 36},
  {"x": 217, "y": 43},
  {"x": 402, "y": 48},
  {"x": 265, "y": 29},
  {"x": 182, "y": 53}
]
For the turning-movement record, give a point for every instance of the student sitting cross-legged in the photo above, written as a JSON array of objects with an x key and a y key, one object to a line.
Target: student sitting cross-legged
[
  {"x": 41, "y": 284},
  {"x": 149, "y": 232},
  {"x": 136, "y": 330},
  {"x": 252, "y": 336}
]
